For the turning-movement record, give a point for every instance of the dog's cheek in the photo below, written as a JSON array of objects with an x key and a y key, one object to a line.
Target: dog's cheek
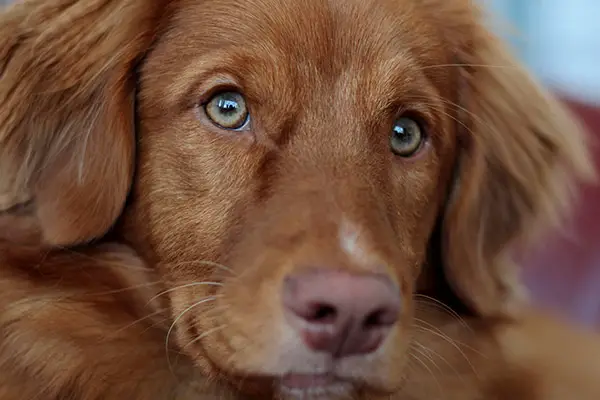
[{"x": 190, "y": 187}]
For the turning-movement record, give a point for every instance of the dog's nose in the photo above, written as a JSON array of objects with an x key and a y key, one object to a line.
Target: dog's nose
[{"x": 340, "y": 312}]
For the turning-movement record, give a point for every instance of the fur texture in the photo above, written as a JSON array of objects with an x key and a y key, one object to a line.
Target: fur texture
[{"x": 143, "y": 248}]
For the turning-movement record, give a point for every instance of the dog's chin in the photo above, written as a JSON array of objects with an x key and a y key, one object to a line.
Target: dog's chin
[
  {"x": 291, "y": 386},
  {"x": 298, "y": 372},
  {"x": 313, "y": 386},
  {"x": 317, "y": 384}
]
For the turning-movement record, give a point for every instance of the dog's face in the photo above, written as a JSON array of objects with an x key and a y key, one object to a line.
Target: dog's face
[
  {"x": 304, "y": 147},
  {"x": 293, "y": 160}
]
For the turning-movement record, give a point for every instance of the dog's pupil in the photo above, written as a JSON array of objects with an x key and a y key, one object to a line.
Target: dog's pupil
[
  {"x": 228, "y": 106},
  {"x": 402, "y": 133}
]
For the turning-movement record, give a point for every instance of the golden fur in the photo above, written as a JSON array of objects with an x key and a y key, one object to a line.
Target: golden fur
[{"x": 142, "y": 249}]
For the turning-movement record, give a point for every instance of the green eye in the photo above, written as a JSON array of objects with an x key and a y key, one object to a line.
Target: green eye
[
  {"x": 227, "y": 110},
  {"x": 407, "y": 137}
]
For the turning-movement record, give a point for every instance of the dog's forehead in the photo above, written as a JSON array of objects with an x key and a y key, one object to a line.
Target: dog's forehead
[
  {"x": 310, "y": 28},
  {"x": 278, "y": 43}
]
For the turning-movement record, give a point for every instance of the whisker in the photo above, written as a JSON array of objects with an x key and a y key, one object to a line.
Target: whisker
[
  {"x": 205, "y": 314},
  {"x": 125, "y": 289},
  {"x": 452, "y": 117},
  {"x": 424, "y": 351},
  {"x": 454, "y": 106},
  {"x": 196, "y": 304},
  {"x": 156, "y": 324},
  {"x": 438, "y": 332},
  {"x": 205, "y": 262},
  {"x": 431, "y": 351},
  {"x": 209, "y": 313},
  {"x": 137, "y": 321},
  {"x": 448, "y": 102},
  {"x": 218, "y": 265},
  {"x": 458, "y": 65},
  {"x": 443, "y": 306},
  {"x": 206, "y": 283},
  {"x": 453, "y": 344},
  {"x": 424, "y": 365},
  {"x": 168, "y": 318},
  {"x": 203, "y": 335}
]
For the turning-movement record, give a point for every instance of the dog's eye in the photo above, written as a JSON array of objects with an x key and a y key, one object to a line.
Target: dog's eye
[
  {"x": 227, "y": 110},
  {"x": 407, "y": 137}
]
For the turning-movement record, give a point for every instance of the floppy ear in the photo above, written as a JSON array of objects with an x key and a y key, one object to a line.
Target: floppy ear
[
  {"x": 67, "y": 113},
  {"x": 519, "y": 157}
]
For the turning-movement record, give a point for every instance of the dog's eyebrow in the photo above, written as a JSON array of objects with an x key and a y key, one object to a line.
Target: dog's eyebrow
[
  {"x": 217, "y": 64},
  {"x": 401, "y": 80}
]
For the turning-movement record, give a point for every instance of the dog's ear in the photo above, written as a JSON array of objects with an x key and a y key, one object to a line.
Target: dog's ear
[
  {"x": 519, "y": 158},
  {"x": 67, "y": 113}
]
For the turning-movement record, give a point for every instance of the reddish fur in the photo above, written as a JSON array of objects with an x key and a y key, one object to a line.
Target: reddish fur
[{"x": 96, "y": 254}]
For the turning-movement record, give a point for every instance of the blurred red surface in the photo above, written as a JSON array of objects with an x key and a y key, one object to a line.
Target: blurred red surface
[{"x": 563, "y": 273}]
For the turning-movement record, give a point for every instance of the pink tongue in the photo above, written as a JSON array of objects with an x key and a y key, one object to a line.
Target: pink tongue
[{"x": 297, "y": 381}]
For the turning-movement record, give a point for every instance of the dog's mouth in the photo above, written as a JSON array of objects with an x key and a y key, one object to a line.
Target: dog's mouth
[
  {"x": 321, "y": 378},
  {"x": 326, "y": 386},
  {"x": 309, "y": 383},
  {"x": 332, "y": 380},
  {"x": 292, "y": 386},
  {"x": 333, "y": 334}
]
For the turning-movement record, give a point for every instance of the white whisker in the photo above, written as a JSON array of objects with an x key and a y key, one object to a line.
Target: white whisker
[
  {"x": 204, "y": 300},
  {"x": 414, "y": 357},
  {"x": 450, "y": 341},
  {"x": 433, "y": 352},
  {"x": 144, "y": 318},
  {"x": 183, "y": 287},
  {"x": 445, "y": 307},
  {"x": 203, "y": 335},
  {"x": 511, "y": 67},
  {"x": 209, "y": 263}
]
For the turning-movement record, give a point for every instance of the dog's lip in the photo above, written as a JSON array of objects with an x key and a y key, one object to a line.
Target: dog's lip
[
  {"x": 304, "y": 381},
  {"x": 313, "y": 384}
]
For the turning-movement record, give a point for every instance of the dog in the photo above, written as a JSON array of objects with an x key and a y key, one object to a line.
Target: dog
[{"x": 277, "y": 199}]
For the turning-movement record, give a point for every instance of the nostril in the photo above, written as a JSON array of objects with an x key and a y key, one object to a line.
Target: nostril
[
  {"x": 341, "y": 313},
  {"x": 322, "y": 314},
  {"x": 373, "y": 320},
  {"x": 380, "y": 318}
]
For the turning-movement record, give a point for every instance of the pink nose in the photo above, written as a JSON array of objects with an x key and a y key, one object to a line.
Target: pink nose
[{"x": 339, "y": 312}]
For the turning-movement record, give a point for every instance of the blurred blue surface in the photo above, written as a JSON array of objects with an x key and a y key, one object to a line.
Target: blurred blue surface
[{"x": 558, "y": 39}]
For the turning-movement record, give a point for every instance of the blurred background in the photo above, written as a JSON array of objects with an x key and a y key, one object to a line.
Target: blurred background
[{"x": 560, "y": 42}]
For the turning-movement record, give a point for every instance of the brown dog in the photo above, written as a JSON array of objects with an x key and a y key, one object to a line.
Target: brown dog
[{"x": 275, "y": 199}]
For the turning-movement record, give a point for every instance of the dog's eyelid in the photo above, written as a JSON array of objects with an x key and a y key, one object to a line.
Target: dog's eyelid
[
  {"x": 207, "y": 94},
  {"x": 207, "y": 84},
  {"x": 423, "y": 115}
]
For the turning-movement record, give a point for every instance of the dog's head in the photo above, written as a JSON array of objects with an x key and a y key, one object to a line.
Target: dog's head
[{"x": 291, "y": 167}]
